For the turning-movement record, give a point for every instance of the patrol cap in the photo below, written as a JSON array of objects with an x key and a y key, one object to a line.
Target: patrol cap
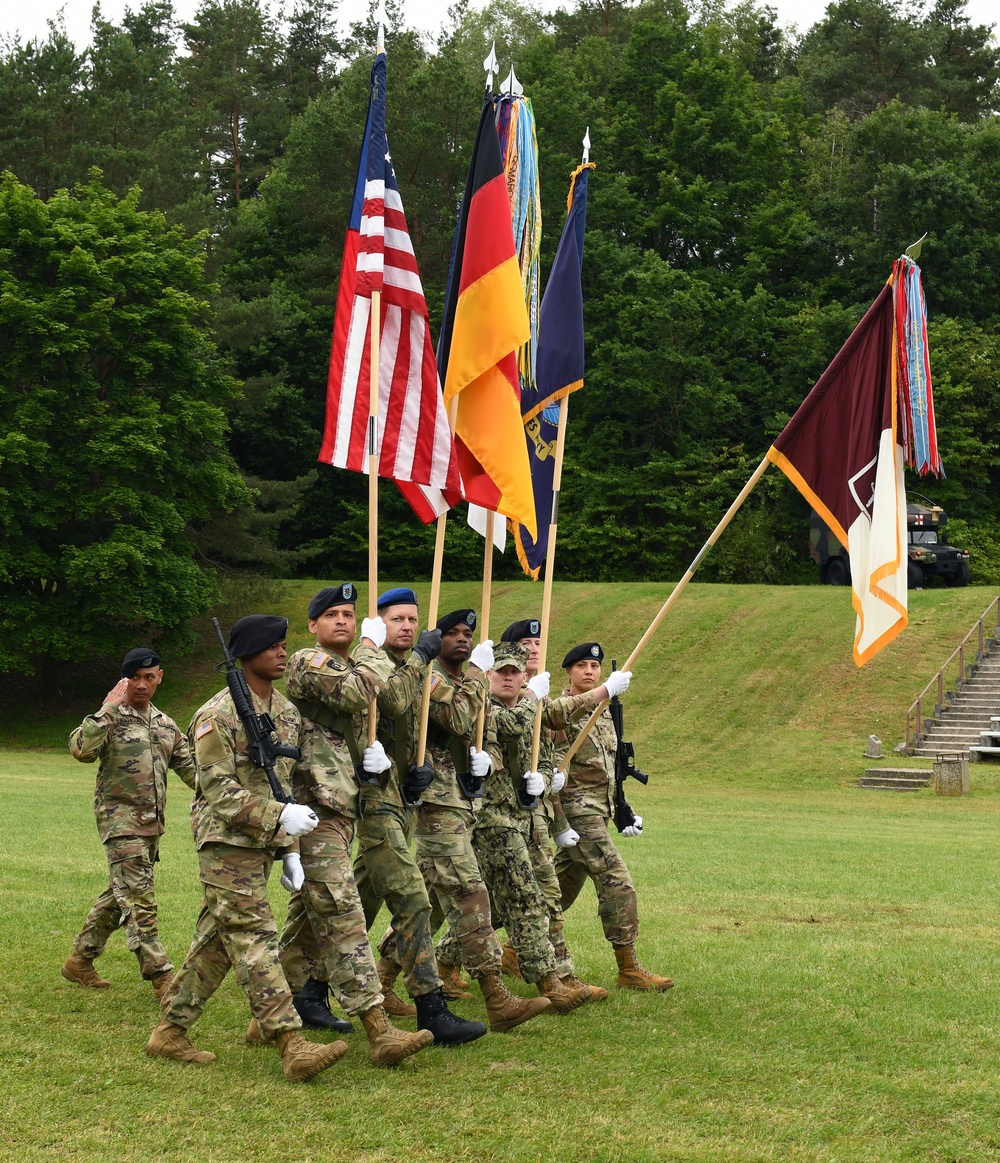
[
  {"x": 344, "y": 595},
  {"x": 400, "y": 596},
  {"x": 526, "y": 628},
  {"x": 510, "y": 654},
  {"x": 256, "y": 632},
  {"x": 139, "y": 659},
  {"x": 584, "y": 650},
  {"x": 457, "y": 618}
]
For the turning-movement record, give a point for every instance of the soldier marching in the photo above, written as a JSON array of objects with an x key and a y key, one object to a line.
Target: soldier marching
[{"x": 463, "y": 842}]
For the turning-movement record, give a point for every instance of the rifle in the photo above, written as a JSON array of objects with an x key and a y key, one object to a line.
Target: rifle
[
  {"x": 624, "y": 764},
  {"x": 262, "y": 737}
]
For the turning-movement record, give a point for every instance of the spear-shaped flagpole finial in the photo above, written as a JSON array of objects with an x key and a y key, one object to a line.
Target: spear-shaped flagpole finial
[
  {"x": 586, "y": 146},
  {"x": 382, "y": 20},
  {"x": 492, "y": 66},
  {"x": 511, "y": 85},
  {"x": 913, "y": 252}
]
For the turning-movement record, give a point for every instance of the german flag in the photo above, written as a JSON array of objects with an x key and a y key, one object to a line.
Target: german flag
[{"x": 485, "y": 322}]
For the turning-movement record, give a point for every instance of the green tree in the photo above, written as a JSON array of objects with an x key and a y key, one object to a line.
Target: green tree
[{"x": 113, "y": 426}]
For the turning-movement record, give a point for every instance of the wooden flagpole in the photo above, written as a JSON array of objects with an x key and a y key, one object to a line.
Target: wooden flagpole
[
  {"x": 432, "y": 610},
  {"x": 674, "y": 595},
  {"x": 550, "y": 565},
  {"x": 484, "y": 613},
  {"x": 376, "y": 319}
]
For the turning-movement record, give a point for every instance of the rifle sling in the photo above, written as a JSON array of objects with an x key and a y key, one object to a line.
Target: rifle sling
[{"x": 332, "y": 721}]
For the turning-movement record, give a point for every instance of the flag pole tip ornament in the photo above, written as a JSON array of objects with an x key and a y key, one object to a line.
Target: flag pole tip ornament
[
  {"x": 912, "y": 252},
  {"x": 491, "y": 66},
  {"x": 511, "y": 85},
  {"x": 586, "y": 146}
]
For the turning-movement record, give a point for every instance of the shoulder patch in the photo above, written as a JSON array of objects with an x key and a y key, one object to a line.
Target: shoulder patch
[
  {"x": 204, "y": 728},
  {"x": 318, "y": 659}
]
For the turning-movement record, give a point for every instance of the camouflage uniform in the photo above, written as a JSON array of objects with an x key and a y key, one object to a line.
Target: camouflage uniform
[
  {"x": 385, "y": 869},
  {"x": 588, "y": 803},
  {"x": 135, "y": 751},
  {"x": 236, "y": 831},
  {"x": 500, "y": 840},
  {"x": 325, "y": 936},
  {"x": 445, "y": 823}
]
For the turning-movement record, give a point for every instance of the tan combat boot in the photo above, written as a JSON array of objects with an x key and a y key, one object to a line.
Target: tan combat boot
[
  {"x": 255, "y": 1036},
  {"x": 388, "y": 971},
  {"x": 170, "y": 1041},
  {"x": 503, "y": 1009},
  {"x": 161, "y": 983},
  {"x": 389, "y": 1045},
  {"x": 564, "y": 998},
  {"x": 455, "y": 989},
  {"x": 81, "y": 969},
  {"x": 597, "y": 992},
  {"x": 302, "y": 1060},
  {"x": 631, "y": 974},
  {"x": 508, "y": 960}
]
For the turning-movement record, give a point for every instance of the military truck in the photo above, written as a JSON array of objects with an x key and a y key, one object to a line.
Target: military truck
[{"x": 928, "y": 550}]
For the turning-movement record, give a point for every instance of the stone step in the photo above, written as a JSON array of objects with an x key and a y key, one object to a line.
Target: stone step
[
  {"x": 929, "y": 752},
  {"x": 892, "y": 783}
]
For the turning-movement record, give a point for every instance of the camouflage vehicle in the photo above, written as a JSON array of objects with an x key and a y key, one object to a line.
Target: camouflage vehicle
[{"x": 929, "y": 553}]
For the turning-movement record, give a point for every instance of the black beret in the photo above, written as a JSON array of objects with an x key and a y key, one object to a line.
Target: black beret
[
  {"x": 584, "y": 650},
  {"x": 526, "y": 628},
  {"x": 455, "y": 618},
  {"x": 256, "y": 632},
  {"x": 345, "y": 595},
  {"x": 139, "y": 659}
]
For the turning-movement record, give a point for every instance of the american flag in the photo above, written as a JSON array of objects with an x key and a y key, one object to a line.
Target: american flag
[{"x": 414, "y": 439}]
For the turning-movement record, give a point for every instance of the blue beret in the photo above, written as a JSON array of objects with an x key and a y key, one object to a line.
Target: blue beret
[
  {"x": 457, "y": 618},
  {"x": 345, "y": 595},
  {"x": 526, "y": 628},
  {"x": 400, "y": 596},
  {"x": 256, "y": 632},
  {"x": 584, "y": 650},
  {"x": 139, "y": 659}
]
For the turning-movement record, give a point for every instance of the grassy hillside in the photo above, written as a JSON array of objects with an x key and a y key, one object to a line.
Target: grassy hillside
[{"x": 741, "y": 682}]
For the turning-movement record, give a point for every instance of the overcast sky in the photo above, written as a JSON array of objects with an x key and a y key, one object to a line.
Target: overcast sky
[{"x": 429, "y": 15}]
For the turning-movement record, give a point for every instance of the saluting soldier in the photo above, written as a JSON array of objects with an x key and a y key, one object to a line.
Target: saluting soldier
[
  {"x": 239, "y": 828},
  {"x": 585, "y": 846},
  {"x": 135, "y": 743},
  {"x": 445, "y": 823},
  {"x": 385, "y": 869},
  {"x": 324, "y": 944}
]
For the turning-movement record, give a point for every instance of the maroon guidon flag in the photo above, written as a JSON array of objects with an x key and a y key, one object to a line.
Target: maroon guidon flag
[{"x": 842, "y": 450}]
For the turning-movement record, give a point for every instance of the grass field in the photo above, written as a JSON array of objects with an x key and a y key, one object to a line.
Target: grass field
[{"x": 835, "y": 951}]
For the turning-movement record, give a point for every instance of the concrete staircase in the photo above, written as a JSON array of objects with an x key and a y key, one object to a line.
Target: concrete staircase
[
  {"x": 896, "y": 778},
  {"x": 967, "y": 712}
]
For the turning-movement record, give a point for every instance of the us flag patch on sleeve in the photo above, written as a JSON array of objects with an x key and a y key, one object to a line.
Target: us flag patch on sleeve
[
  {"x": 318, "y": 660},
  {"x": 204, "y": 728}
]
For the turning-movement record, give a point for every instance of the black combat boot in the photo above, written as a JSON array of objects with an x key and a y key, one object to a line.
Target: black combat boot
[
  {"x": 448, "y": 1030},
  {"x": 313, "y": 1003}
]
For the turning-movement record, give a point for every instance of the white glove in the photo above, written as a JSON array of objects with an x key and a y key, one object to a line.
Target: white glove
[
  {"x": 482, "y": 655},
  {"x": 297, "y": 819},
  {"x": 374, "y": 760},
  {"x": 539, "y": 685},
  {"x": 534, "y": 785},
  {"x": 633, "y": 829},
  {"x": 567, "y": 839},
  {"x": 373, "y": 629},
  {"x": 293, "y": 878},
  {"x": 481, "y": 762},
  {"x": 558, "y": 782},
  {"x": 617, "y": 682}
]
